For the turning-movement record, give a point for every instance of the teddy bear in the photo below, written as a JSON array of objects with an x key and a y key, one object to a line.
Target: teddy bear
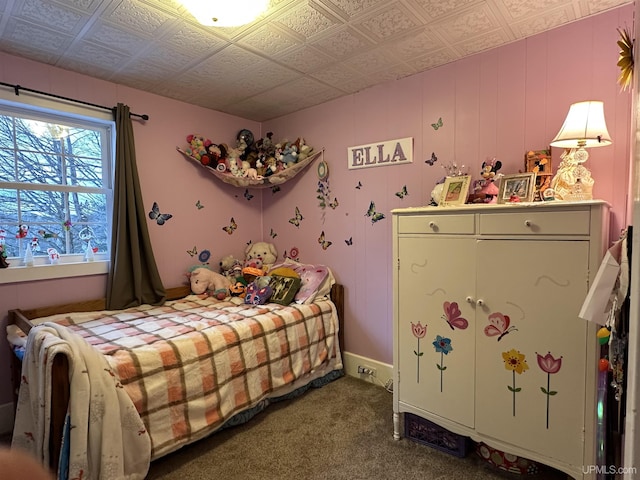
[
  {"x": 271, "y": 166},
  {"x": 234, "y": 162},
  {"x": 265, "y": 252},
  {"x": 304, "y": 150},
  {"x": 205, "y": 280},
  {"x": 231, "y": 267}
]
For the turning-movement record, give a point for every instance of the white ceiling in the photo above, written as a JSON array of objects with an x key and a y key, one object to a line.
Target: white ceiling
[{"x": 300, "y": 53}]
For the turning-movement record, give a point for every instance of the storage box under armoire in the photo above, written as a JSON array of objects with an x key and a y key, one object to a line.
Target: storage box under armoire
[{"x": 428, "y": 433}]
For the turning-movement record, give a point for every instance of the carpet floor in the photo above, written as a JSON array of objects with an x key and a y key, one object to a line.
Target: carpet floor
[{"x": 343, "y": 430}]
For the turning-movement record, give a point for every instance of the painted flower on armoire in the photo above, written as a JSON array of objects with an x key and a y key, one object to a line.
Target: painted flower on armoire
[
  {"x": 549, "y": 365},
  {"x": 442, "y": 346},
  {"x": 419, "y": 332},
  {"x": 516, "y": 362}
]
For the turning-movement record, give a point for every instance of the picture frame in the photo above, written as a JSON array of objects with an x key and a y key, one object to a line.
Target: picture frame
[
  {"x": 538, "y": 162},
  {"x": 455, "y": 190},
  {"x": 519, "y": 187}
]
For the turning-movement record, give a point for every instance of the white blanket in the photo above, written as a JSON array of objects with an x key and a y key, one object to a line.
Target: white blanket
[{"x": 114, "y": 443}]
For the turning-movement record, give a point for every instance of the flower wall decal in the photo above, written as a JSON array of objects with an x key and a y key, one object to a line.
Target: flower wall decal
[
  {"x": 549, "y": 365},
  {"x": 443, "y": 346},
  {"x": 625, "y": 60},
  {"x": 419, "y": 332},
  {"x": 516, "y": 362}
]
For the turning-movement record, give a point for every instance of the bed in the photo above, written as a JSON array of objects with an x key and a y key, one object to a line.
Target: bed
[{"x": 186, "y": 369}]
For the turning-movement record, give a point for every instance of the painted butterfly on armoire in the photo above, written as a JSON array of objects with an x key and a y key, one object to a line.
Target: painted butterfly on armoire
[{"x": 453, "y": 316}]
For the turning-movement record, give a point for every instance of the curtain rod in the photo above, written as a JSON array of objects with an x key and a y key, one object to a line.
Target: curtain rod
[{"x": 17, "y": 88}]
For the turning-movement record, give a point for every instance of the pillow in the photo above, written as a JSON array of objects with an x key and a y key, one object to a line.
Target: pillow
[
  {"x": 259, "y": 291},
  {"x": 317, "y": 280},
  {"x": 284, "y": 289},
  {"x": 284, "y": 272}
]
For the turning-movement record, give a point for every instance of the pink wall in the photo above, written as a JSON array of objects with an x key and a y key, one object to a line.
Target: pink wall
[
  {"x": 499, "y": 103},
  {"x": 165, "y": 176}
]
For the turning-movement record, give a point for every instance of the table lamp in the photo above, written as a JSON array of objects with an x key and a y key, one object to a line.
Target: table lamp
[{"x": 583, "y": 128}]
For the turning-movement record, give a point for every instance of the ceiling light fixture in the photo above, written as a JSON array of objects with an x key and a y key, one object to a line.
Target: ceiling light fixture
[{"x": 225, "y": 13}]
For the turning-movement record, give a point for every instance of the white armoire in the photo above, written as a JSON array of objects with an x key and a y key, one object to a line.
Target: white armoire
[{"x": 487, "y": 339}]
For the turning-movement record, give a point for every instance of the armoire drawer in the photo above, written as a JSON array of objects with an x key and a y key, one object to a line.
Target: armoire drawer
[
  {"x": 437, "y": 224},
  {"x": 539, "y": 223}
]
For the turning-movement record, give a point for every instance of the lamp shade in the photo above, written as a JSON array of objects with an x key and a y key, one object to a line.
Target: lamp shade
[
  {"x": 225, "y": 13},
  {"x": 584, "y": 126}
]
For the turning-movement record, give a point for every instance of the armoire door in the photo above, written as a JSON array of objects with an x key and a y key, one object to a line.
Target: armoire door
[
  {"x": 531, "y": 345},
  {"x": 436, "y": 331}
]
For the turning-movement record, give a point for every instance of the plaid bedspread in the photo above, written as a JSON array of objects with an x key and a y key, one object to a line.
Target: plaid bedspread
[{"x": 192, "y": 364}]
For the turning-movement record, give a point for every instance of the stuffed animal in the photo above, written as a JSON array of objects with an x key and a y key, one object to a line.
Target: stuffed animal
[
  {"x": 258, "y": 291},
  {"x": 263, "y": 251},
  {"x": 252, "y": 174},
  {"x": 231, "y": 268},
  {"x": 304, "y": 150},
  {"x": 289, "y": 154},
  {"x": 204, "y": 280},
  {"x": 197, "y": 145},
  {"x": 488, "y": 191},
  {"x": 215, "y": 157}
]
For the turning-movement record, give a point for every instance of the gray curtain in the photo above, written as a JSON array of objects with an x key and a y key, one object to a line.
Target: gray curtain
[{"x": 133, "y": 274}]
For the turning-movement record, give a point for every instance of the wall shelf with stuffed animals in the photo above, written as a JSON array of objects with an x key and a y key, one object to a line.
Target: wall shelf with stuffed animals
[{"x": 250, "y": 164}]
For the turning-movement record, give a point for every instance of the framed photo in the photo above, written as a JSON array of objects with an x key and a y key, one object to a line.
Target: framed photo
[
  {"x": 455, "y": 190},
  {"x": 538, "y": 162},
  {"x": 519, "y": 187}
]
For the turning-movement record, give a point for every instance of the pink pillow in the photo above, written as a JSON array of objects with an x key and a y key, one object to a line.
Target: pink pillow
[{"x": 316, "y": 280}]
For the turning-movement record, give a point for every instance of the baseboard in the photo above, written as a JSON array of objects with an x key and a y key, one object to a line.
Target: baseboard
[
  {"x": 384, "y": 371},
  {"x": 6, "y": 418}
]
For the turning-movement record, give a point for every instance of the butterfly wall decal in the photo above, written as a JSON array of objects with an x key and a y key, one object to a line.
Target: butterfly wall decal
[
  {"x": 324, "y": 243},
  {"x": 438, "y": 124},
  {"x": 247, "y": 195},
  {"x": 155, "y": 214},
  {"x": 375, "y": 216},
  {"x": 432, "y": 160},
  {"x": 199, "y": 205},
  {"x": 334, "y": 204},
  {"x": 231, "y": 227},
  {"x": 273, "y": 234},
  {"x": 499, "y": 326},
  {"x": 349, "y": 242},
  {"x": 297, "y": 219},
  {"x": 193, "y": 252},
  {"x": 452, "y": 315},
  {"x": 402, "y": 193},
  {"x": 359, "y": 185}
]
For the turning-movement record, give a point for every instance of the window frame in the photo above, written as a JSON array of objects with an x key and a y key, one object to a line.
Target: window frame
[{"x": 71, "y": 265}]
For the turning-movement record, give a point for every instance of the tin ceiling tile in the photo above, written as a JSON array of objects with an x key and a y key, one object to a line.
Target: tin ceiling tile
[{"x": 297, "y": 54}]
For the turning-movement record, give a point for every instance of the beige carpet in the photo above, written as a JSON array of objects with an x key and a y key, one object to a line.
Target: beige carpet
[{"x": 343, "y": 430}]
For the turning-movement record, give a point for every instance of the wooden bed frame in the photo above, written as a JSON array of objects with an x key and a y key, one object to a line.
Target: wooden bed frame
[{"x": 60, "y": 367}]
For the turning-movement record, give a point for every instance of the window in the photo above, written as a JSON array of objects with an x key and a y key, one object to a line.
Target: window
[{"x": 55, "y": 185}]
